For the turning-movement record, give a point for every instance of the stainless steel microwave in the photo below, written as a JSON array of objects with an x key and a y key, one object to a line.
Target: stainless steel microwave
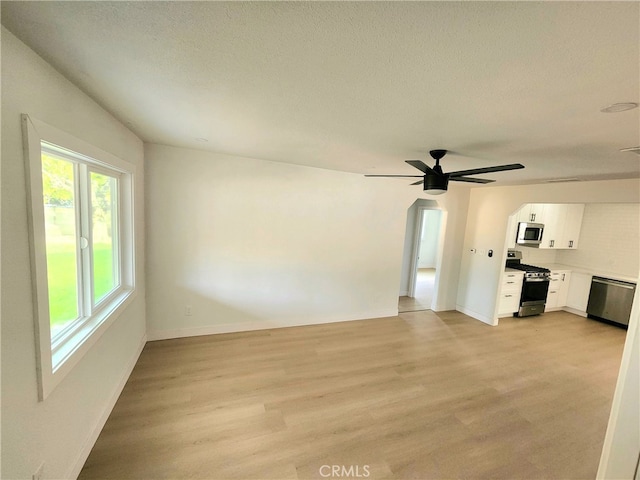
[{"x": 529, "y": 233}]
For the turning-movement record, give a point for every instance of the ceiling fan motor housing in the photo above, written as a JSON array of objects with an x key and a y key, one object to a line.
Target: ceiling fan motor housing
[{"x": 435, "y": 182}]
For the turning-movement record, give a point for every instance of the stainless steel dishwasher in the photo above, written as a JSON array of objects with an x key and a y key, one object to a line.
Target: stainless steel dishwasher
[{"x": 611, "y": 300}]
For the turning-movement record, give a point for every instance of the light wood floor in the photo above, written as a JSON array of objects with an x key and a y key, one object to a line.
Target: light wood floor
[
  {"x": 422, "y": 395},
  {"x": 425, "y": 280}
]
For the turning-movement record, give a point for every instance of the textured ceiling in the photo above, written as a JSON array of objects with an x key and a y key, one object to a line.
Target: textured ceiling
[{"x": 360, "y": 87}]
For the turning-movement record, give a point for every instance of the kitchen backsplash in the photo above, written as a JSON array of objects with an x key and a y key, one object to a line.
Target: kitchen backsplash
[
  {"x": 609, "y": 240},
  {"x": 534, "y": 256}
]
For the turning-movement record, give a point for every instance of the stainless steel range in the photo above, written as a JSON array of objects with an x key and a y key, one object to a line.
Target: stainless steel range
[{"x": 534, "y": 287}]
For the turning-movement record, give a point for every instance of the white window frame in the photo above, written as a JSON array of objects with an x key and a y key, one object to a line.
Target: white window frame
[{"x": 57, "y": 357}]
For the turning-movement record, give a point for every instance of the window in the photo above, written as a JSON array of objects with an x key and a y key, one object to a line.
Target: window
[
  {"x": 82, "y": 245},
  {"x": 81, "y": 273}
]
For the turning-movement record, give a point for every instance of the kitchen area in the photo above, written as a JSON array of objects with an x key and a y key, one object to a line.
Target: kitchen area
[{"x": 580, "y": 258}]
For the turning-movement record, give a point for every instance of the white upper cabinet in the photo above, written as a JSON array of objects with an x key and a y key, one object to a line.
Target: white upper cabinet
[
  {"x": 572, "y": 225},
  {"x": 554, "y": 219},
  {"x": 562, "y": 223},
  {"x": 531, "y": 212}
]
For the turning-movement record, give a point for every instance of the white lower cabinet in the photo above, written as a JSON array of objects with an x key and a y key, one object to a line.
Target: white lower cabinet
[
  {"x": 578, "y": 294},
  {"x": 566, "y": 289},
  {"x": 558, "y": 289},
  {"x": 509, "y": 300}
]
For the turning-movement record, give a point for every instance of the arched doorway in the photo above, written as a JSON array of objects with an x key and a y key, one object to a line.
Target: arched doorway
[{"x": 422, "y": 236}]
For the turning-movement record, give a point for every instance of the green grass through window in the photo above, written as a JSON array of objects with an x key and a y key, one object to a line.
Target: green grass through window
[{"x": 62, "y": 279}]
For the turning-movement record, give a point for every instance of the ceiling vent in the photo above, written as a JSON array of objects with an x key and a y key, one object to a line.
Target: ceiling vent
[
  {"x": 561, "y": 180},
  {"x": 619, "y": 107}
]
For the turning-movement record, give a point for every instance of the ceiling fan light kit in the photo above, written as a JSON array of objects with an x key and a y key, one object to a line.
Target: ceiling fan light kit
[
  {"x": 435, "y": 185},
  {"x": 436, "y": 182}
]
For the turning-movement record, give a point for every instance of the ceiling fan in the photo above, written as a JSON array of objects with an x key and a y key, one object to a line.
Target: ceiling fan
[{"x": 435, "y": 181}]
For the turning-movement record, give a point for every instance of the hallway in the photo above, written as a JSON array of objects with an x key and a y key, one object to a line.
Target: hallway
[{"x": 424, "y": 292}]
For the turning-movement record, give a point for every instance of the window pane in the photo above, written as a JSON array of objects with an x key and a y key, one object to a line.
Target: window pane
[
  {"x": 60, "y": 231},
  {"x": 105, "y": 235}
]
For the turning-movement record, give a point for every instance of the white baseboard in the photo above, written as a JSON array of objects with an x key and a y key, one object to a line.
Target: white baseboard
[
  {"x": 575, "y": 311},
  {"x": 552, "y": 309},
  {"x": 477, "y": 316},
  {"x": 251, "y": 326},
  {"x": 442, "y": 307},
  {"x": 95, "y": 432},
  {"x": 404, "y": 293}
]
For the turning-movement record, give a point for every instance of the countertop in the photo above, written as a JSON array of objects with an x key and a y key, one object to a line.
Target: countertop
[
  {"x": 586, "y": 271},
  {"x": 513, "y": 270}
]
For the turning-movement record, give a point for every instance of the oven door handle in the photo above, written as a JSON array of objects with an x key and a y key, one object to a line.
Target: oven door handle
[{"x": 539, "y": 279}]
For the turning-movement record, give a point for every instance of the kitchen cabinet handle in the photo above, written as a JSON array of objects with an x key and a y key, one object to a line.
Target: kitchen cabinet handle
[
  {"x": 508, "y": 296},
  {"x": 563, "y": 276},
  {"x": 570, "y": 243},
  {"x": 551, "y": 242}
]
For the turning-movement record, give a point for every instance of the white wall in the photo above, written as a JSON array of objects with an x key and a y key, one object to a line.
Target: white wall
[
  {"x": 489, "y": 209},
  {"x": 429, "y": 237},
  {"x": 59, "y": 431},
  {"x": 621, "y": 449},
  {"x": 254, "y": 244}
]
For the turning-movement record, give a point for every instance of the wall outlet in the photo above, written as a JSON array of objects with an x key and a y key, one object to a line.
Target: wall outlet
[
  {"x": 38, "y": 475},
  {"x": 187, "y": 310}
]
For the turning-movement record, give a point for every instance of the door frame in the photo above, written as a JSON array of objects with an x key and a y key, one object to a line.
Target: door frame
[{"x": 415, "y": 250}]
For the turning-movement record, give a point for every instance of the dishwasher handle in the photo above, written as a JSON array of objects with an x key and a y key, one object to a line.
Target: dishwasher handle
[{"x": 617, "y": 283}]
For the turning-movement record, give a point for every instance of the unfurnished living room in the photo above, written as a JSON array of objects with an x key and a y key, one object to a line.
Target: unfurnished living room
[{"x": 310, "y": 240}]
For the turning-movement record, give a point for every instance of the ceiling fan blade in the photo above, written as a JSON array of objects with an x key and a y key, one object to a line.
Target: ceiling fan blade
[
  {"x": 474, "y": 171},
  {"x": 470, "y": 180},
  {"x": 420, "y": 165},
  {"x": 419, "y": 182},
  {"x": 399, "y": 176}
]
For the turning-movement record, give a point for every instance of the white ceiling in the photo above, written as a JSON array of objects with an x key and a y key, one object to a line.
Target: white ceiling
[{"x": 360, "y": 87}]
